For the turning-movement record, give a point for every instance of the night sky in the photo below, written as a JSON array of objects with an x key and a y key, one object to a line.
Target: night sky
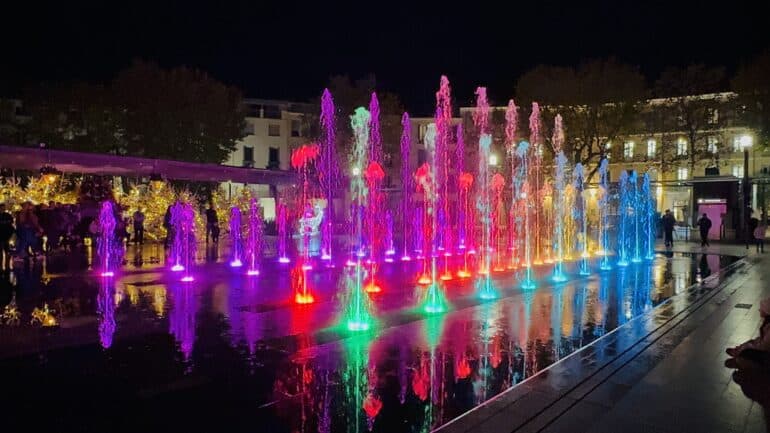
[{"x": 288, "y": 50}]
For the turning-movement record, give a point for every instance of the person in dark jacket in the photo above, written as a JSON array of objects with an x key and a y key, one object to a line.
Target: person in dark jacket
[
  {"x": 668, "y": 228},
  {"x": 704, "y": 225}
]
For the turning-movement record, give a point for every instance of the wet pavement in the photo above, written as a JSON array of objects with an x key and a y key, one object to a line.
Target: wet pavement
[{"x": 232, "y": 353}]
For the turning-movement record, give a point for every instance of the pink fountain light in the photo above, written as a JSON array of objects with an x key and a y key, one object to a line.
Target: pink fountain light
[
  {"x": 106, "y": 245},
  {"x": 406, "y": 187},
  {"x": 328, "y": 171},
  {"x": 236, "y": 236},
  {"x": 254, "y": 239}
]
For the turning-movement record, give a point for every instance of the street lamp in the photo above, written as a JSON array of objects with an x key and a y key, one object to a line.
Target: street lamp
[
  {"x": 493, "y": 160},
  {"x": 745, "y": 142}
]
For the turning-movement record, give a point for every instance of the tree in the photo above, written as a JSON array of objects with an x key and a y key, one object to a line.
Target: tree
[
  {"x": 77, "y": 116},
  {"x": 146, "y": 111},
  {"x": 598, "y": 101},
  {"x": 689, "y": 111},
  {"x": 180, "y": 113},
  {"x": 752, "y": 83}
]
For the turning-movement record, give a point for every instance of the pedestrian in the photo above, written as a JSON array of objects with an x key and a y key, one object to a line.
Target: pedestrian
[
  {"x": 167, "y": 226},
  {"x": 6, "y": 231},
  {"x": 759, "y": 237},
  {"x": 668, "y": 228},
  {"x": 28, "y": 230},
  {"x": 212, "y": 224},
  {"x": 753, "y": 223},
  {"x": 138, "y": 227},
  {"x": 704, "y": 224}
]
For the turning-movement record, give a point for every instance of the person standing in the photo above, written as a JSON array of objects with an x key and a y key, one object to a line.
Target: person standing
[
  {"x": 6, "y": 231},
  {"x": 138, "y": 227},
  {"x": 212, "y": 224},
  {"x": 759, "y": 236},
  {"x": 668, "y": 228},
  {"x": 704, "y": 224},
  {"x": 28, "y": 230}
]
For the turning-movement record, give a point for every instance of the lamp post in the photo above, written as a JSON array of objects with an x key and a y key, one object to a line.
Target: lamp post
[{"x": 746, "y": 142}]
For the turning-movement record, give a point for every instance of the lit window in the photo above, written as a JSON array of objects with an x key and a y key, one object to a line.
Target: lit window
[
  {"x": 651, "y": 148},
  {"x": 628, "y": 149},
  {"x": 295, "y": 128},
  {"x": 738, "y": 170},
  {"x": 421, "y": 130},
  {"x": 737, "y": 143},
  {"x": 274, "y": 130},
  {"x": 682, "y": 173},
  {"x": 713, "y": 144},
  {"x": 493, "y": 160},
  {"x": 681, "y": 147}
]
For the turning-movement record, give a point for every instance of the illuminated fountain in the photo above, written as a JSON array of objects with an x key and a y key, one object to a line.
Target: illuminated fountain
[
  {"x": 466, "y": 181},
  {"x": 106, "y": 247},
  {"x": 443, "y": 119},
  {"x": 390, "y": 248},
  {"x": 183, "y": 247},
  {"x": 559, "y": 214},
  {"x": 625, "y": 217},
  {"x": 357, "y": 311},
  {"x": 534, "y": 180},
  {"x": 254, "y": 238},
  {"x": 638, "y": 210},
  {"x": 484, "y": 203},
  {"x": 649, "y": 218},
  {"x": 374, "y": 176},
  {"x": 461, "y": 212},
  {"x": 578, "y": 183},
  {"x": 511, "y": 127},
  {"x": 236, "y": 237},
  {"x": 301, "y": 159},
  {"x": 328, "y": 172},
  {"x": 604, "y": 203},
  {"x": 525, "y": 204},
  {"x": 498, "y": 219},
  {"x": 282, "y": 222},
  {"x": 434, "y": 301},
  {"x": 407, "y": 226}
]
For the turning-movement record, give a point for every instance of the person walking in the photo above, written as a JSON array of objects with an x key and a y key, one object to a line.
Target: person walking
[
  {"x": 28, "y": 230},
  {"x": 6, "y": 231},
  {"x": 704, "y": 224},
  {"x": 138, "y": 227},
  {"x": 212, "y": 224},
  {"x": 668, "y": 228}
]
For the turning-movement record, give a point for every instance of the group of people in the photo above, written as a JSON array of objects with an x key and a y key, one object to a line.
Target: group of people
[
  {"x": 50, "y": 227},
  {"x": 756, "y": 232}
]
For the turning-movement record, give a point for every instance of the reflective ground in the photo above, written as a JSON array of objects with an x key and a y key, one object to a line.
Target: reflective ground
[{"x": 233, "y": 353}]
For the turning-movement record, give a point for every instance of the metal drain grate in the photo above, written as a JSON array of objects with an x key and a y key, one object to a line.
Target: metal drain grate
[{"x": 744, "y": 306}]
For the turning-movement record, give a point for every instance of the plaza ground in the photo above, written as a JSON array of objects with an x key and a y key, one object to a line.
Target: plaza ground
[{"x": 662, "y": 373}]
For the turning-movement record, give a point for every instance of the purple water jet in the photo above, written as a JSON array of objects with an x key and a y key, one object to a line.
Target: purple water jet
[
  {"x": 254, "y": 238},
  {"x": 236, "y": 237},
  {"x": 328, "y": 171}
]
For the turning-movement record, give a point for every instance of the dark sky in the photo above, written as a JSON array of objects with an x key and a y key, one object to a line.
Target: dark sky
[{"x": 288, "y": 49}]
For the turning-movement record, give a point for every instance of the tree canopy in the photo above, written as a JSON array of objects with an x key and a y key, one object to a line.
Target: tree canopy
[
  {"x": 598, "y": 100},
  {"x": 752, "y": 83},
  {"x": 180, "y": 113}
]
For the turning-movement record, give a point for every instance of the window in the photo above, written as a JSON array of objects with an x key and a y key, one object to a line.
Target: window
[
  {"x": 713, "y": 144},
  {"x": 273, "y": 158},
  {"x": 651, "y": 148},
  {"x": 248, "y": 128},
  {"x": 738, "y": 170},
  {"x": 713, "y": 116},
  {"x": 248, "y": 156},
  {"x": 421, "y": 130},
  {"x": 274, "y": 130},
  {"x": 628, "y": 149},
  {"x": 295, "y": 128},
  {"x": 681, "y": 147},
  {"x": 682, "y": 173}
]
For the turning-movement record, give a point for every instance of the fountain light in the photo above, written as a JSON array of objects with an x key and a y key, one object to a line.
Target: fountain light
[
  {"x": 236, "y": 263},
  {"x": 252, "y": 272},
  {"x": 188, "y": 278},
  {"x": 177, "y": 268},
  {"x": 284, "y": 260}
]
